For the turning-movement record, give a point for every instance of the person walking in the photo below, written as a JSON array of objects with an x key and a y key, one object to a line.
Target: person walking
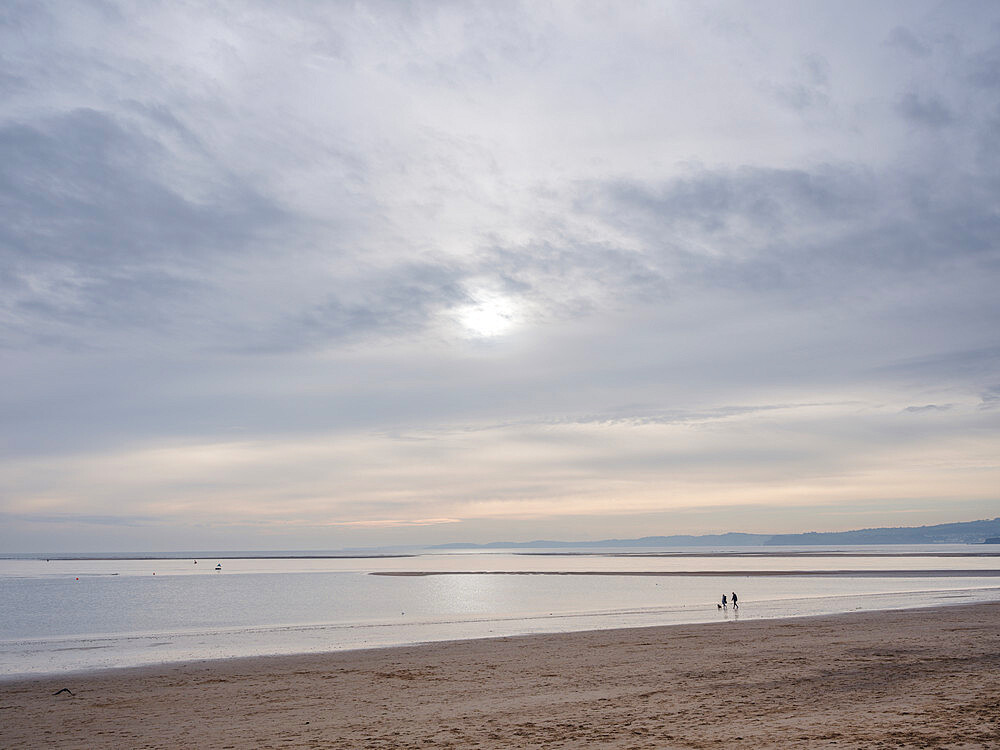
[
  {"x": 735, "y": 605},
  {"x": 723, "y": 601}
]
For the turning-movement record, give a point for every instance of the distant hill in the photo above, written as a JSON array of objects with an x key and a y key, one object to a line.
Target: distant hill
[{"x": 969, "y": 532}]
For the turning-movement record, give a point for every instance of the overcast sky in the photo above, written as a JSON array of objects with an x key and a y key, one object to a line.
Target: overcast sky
[{"x": 328, "y": 275}]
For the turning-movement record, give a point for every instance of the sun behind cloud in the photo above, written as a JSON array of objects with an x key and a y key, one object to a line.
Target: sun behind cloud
[{"x": 489, "y": 316}]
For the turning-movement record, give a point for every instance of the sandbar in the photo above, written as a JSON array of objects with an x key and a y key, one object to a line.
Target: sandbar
[
  {"x": 936, "y": 573},
  {"x": 904, "y": 678}
]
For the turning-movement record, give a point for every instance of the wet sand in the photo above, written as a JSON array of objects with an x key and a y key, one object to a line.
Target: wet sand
[{"x": 914, "y": 678}]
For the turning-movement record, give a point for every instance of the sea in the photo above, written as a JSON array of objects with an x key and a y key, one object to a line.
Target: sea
[{"x": 67, "y": 613}]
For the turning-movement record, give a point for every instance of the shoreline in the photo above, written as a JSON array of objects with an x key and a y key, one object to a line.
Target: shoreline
[
  {"x": 89, "y": 654},
  {"x": 903, "y": 677},
  {"x": 250, "y": 660}
]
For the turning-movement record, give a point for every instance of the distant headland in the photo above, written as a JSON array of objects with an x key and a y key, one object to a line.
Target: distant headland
[{"x": 969, "y": 532}]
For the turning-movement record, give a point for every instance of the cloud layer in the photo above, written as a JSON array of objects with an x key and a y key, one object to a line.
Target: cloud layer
[{"x": 334, "y": 275}]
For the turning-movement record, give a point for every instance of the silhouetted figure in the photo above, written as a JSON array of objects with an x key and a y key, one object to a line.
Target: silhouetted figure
[
  {"x": 735, "y": 605},
  {"x": 723, "y": 601}
]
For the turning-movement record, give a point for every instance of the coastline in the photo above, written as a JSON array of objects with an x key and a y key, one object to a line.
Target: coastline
[{"x": 901, "y": 677}]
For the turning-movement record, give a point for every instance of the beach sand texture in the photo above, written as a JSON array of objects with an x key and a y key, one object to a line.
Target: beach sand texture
[{"x": 916, "y": 679}]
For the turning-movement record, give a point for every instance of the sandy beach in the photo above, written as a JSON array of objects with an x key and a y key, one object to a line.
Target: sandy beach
[{"x": 917, "y": 678}]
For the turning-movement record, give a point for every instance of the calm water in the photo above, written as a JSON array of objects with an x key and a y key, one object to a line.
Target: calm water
[{"x": 74, "y": 614}]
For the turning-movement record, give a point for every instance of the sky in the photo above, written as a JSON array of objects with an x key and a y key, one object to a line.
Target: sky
[{"x": 329, "y": 275}]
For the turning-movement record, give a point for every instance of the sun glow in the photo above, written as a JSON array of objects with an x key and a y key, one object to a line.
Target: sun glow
[{"x": 488, "y": 317}]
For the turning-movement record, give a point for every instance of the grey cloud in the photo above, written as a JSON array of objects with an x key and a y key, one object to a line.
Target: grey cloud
[
  {"x": 713, "y": 201},
  {"x": 742, "y": 228},
  {"x": 93, "y": 236},
  {"x": 23, "y": 15},
  {"x": 974, "y": 363},
  {"x": 773, "y": 226},
  {"x": 984, "y": 69},
  {"x": 930, "y": 111},
  {"x": 377, "y": 304},
  {"x": 990, "y": 398},
  {"x": 135, "y": 298},
  {"x": 84, "y": 190},
  {"x": 927, "y": 408},
  {"x": 907, "y": 41},
  {"x": 812, "y": 87},
  {"x": 570, "y": 277},
  {"x": 817, "y": 69},
  {"x": 10, "y": 83},
  {"x": 801, "y": 97}
]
